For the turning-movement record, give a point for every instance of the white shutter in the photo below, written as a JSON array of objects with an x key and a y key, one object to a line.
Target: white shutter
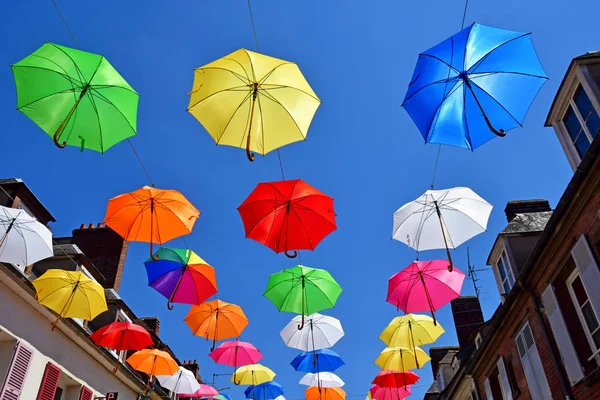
[
  {"x": 588, "y": 271},
  {"x": 532, "y": 365},
  {"x": 488, "y": 390},
  {"x": 561, "y": 335},
  {"x": 501, "y": 290},
  {"x": 504, "y": 382}
]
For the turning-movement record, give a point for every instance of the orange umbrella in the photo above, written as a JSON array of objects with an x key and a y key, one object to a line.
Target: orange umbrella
[
  {"x": 333, "y": 393},
  {"x": 216, "y": 320},
  {"x": 153, "y": 362},
  {"x": 151, "y": 215}
]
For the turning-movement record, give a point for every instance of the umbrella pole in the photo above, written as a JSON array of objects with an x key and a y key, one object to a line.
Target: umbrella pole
[
  {"x": 152, "y": 256},
  {"x": 67, "y": 118},
  {"x": 120, "y": 347},
  {"x": 501, "y": 132},
  {"x": 439, "y": 214},
  {"x": 169, "y": 305},
  {"x": 295, "y": 253},
  {"x": 7, "y": 231},
  {"x": 428, "y": 298},
  {"x": 303, "y": 295},
  {"x": 67, "y": 303},
  {"x": 414, "y": 350},
  {"x": 254, "y": 95},
  {"x": 312, "y": 335},
  {"x": 216, "y": 327}
]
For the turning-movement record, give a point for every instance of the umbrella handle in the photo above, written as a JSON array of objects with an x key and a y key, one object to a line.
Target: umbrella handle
[
  {"x": 291, "y": 255},
  {"x": 55, "y": 322},
  {"x": 301, "y": 325},
  {"x": 67, "y": 118},
  {"x": 254, "y": 95},
  {"x": 248, "y": 153},
  {"x": 496, "y": 132},
  {"x": 55, "y": 138}
]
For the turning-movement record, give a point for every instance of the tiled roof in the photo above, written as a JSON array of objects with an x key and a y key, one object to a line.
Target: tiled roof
[
  {"x": 66, "y": 249},
  {"x": 448, "y": 357},
  {"x": 433, "y": 389},
  {"x": 527, "y": 223}
]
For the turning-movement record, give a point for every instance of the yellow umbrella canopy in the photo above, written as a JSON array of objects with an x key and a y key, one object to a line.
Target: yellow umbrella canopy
[
  {"x": 252, "y": 374},
  {"x": 253, "y": 101},
  {"x": 71, "y": 294},
  {"x": 402, "y": 359},
  {"x": 411, "y": 330}
]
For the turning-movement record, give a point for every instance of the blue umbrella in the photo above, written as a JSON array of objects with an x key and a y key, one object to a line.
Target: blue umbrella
[
  {"x": 324, "y": 360},
  {"x": 474, "y": 86},
  {"x": 264, "y": 391}
]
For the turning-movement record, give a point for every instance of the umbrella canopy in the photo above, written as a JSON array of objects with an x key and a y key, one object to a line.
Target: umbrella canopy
[
  {"x": 76, "y": 97},
  {"x": 424, "y": 286},
  {"x": 217, "y": 397},
  {"x": 395, "y": 379},
  {"x": 181, "y": 382},
  {"x": 23, "y": 240},
  {"x": 317, "y": 393},
  {"x": 151, "y": 215},
  {"x": 181, "y": 276},
  {"x": 402, "y": 359},
  {"x": 324, "y": 360},
  {"x": 264, "y": 391},
  {"x": 236, "y": 353},
  {"x": 319, "y": 332},
  {"x": 253, "y": 101},
  {"x": 70, "y": 294},
  {"x": 153, "y": 362},
  {"x": 291, "y": 288},
  {"x": 322, "y": 379},
  {"x": 474, "y": 86},
  {"x": 204, "y": 391},
  {"x": 122, "y": 336},
  {"x": 252, "y": 374},
  {"x": 411, "y": 330},
  {"x": 389, "y": 393},
  {"x": 441, "y": 219},
  {"x": 216, "y": 320},
  {"x": 288, "y": 215}
]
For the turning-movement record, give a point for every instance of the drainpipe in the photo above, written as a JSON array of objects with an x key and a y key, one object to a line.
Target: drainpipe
[{"x": 562, "y": 378}]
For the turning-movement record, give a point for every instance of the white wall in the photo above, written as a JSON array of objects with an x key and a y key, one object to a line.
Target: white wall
[{"x": 26, "y": 322}]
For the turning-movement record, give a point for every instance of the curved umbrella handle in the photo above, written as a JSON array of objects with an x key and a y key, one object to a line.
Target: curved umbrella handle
[
  {"x": 152, "y": 256},
  {"x": 169, "y": 305},
  {"x": 496, "y": 132},
  {"x": 248, "y": 153},
  {"x": 301, "y": 325},
  {"x": 55, "y": 138},
  {"x": 291, "y": 255}
]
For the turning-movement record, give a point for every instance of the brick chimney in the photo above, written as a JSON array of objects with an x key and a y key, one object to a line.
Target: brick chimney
[
  {"x": 525, "y": 207},
  {"x": 467, "y": 314},
  {"x": 152, "y": 324},
  {"x": 105, "y": 249},
  {"x": 194, "y": 367}
]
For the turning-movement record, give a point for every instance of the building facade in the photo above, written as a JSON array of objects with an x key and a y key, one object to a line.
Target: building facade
[{"x": 543, "y": 341}]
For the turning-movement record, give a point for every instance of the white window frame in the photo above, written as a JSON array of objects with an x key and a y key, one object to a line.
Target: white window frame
[
  {"x": 504, "y": 257},
  {"x": 121, "y": 317},
  {"x": 588, "y": 335},
  {"x": 582, "y": 122},
  {"x": 478, "y": 340}
]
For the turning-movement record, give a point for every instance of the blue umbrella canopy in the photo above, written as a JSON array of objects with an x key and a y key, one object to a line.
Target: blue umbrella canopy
[
  {"x": 264, "y": 391},
  {"x": 474, "y": 86},
  {"x": 324, "y": 360}
]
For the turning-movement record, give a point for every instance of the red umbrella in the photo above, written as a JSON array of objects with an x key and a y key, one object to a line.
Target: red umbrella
[
  {"x": 288, "y": 215},
  {"x": 425, "y": 286},
  {"x": 122, "y": 336},
  {"x": 395, "y": 379},
  {"x": 390, "y": 393}
]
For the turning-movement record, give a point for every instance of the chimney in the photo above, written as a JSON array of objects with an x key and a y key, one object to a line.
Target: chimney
[
  {"x": 194, "y": 367},
  {"x": 525, "y": 207},
  {"x": 467, "y": 314},
  {"x": 105, "y": 249},
  {"x": 152, "y": 324}
]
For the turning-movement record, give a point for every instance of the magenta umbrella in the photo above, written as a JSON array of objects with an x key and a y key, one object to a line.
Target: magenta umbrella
[
  {"x": 204, "y": 391},
  {"x": 391, "y": 393},
  {"x": 236, "y": 354},
  {"x": 425, "y": 286}
]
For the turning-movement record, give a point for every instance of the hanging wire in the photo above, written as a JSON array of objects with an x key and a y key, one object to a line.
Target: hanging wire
[
  {"x": 77, "y": 45},
  {"x": 462, "y": 26}
]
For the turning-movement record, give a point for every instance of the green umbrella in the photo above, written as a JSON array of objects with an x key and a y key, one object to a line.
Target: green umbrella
[
  {"x": 302, "y": 290},
  {"x": 76, "y": 97}
]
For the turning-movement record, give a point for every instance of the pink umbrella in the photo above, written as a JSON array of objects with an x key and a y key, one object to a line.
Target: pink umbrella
[
  {"x": 236, "y": 354},
  {"x": 392, "y": 393},
  {"x": 425, "y": 286},
  {"x": 205, "y": 390}
]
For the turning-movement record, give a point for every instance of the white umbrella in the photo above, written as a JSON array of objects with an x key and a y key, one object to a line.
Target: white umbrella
[
  {"x": 441, "y": 219},
  {"x": 181, "y": 382},
  {"x": 279, "y": 398},
  {"x": 23, "y": 240},
  {"x": 322, "y": 379},
  {"x": 319, "y": 332}
]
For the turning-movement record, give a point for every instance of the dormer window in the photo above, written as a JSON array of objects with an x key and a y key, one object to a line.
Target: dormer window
[
  {"x": 581, "y": 121},
  {"x": 507, "y": 277}
]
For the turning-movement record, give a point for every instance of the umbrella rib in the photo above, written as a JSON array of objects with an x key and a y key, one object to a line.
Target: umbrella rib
[
  {"x": 102, "y": 97},
  {"x": 454, "y": 209},
  {"x": 79, "y": 72},
  {"x": 484, "y": 74},
  {"x": 304, "y": 208},
  {"x": 445, "y": 80},
  {"x": 99, "y": 123},
  {"x": 437, "y": 111},
  {"x": 68, "y": 78},
  {"x": 104, "y": 86},
  {"x": 270, "y": 97},
  {"x": 231, "y": 89},
  {"x": 268, "y": 87},
  {"x": 482, "y": 59},
  {"x": 244, "y": 79},
  {"x": 246, "y": 98},
  {"x": 268, "y": 74},
  {"x": 497, "y": 102},
  {"x": 440, "y": 60},
  {"x": 72, "y": 90},
  {"x": 292, "y": 209}
]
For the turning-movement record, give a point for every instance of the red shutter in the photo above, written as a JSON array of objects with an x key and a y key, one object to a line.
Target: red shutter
[
  {"x": 86, "y": 394},
  {"x": 17, "y": 372},
  {"x": 49, "y": 382}
]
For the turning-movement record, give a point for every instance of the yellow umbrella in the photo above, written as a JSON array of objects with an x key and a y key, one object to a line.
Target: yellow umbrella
[
  {"x": 252, "y": 374},
  {"x": 401, "y": 359},
  {"x": 253, "y": 101},
  {"x": 70, "y": 294}
]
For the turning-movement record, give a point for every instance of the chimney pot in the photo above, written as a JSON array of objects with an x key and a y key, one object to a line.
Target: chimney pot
[
  {"x": 83, "y": 226},
  {"x": 91, "y": 226}
]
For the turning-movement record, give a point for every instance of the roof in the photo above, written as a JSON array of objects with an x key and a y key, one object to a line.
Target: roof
[
  {"x": 447, "y": 359},
  {"x": 433, "y": 389},
  {"x": 19, "y": 182},
  {"x": 527, "y": 223},
  {"x": 66, "y": 249}
]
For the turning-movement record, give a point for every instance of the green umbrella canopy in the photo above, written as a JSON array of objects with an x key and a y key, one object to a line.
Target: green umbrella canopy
[
  {"x": 76, "y": 97},
  {"x": 302, "y": 290}
]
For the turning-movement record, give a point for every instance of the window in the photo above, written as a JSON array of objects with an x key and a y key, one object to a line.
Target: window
[
  {"x": 532, "y": 364},
  {"x": 478, "y": 340},
  {"x": 507, "y": 277},
  {"x": 584, "y": 309},
  {"x": 58, "y": 394},
  {"x": 581, "y": 121}
]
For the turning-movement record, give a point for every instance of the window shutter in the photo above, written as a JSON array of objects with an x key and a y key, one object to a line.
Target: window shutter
[
  {"x": 488, "y": 390},
  {"x": 504, "y": 382},
  {"x": 501, "y": 290},
  {"x": 561, "y": 334},
  {"x": 17, "y": 372},
  {"x": 86, "y": 394},
  {"x": 49, "y": 382},
  {"x": 589, "y": 272},
  {"x": 532, "y": 365}
]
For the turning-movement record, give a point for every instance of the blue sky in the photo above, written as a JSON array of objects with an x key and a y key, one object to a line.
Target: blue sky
[{"x": 362, "y": 147}]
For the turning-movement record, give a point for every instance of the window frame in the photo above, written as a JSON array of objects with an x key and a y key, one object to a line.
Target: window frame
[
  {"x": 569, "y": 283},
  {"x": 582, "y": 122},
  {"x": 505, "y": 259}
]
